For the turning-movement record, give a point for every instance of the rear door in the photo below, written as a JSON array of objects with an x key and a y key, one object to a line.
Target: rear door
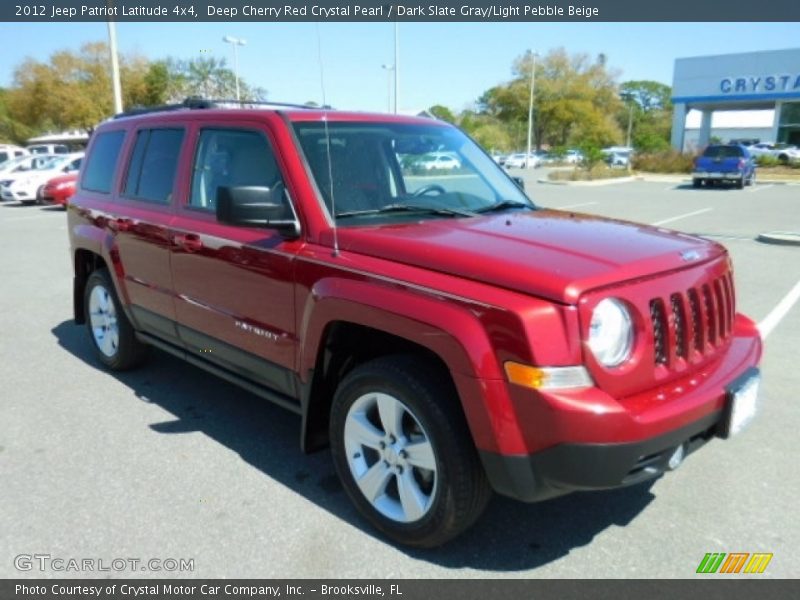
[
  {"x": 233, "y": 285},
  {"x": 140, "y": 219}
]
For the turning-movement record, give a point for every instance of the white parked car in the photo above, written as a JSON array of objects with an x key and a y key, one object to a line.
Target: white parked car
[
  {"x": 761, "y": 149},
  {"x": 618, "y": 156},
  {"x": 522, "y": 161},
  {"x": 786, "y": 153},
  {"x": 439, "y": 160},
  {"x": 48, "y": 149},
  {"x": 26, "y": 184},
  {"x": 23, "y": 163},
  {"x": 573, "y": 157},
  {"x": 9, "y": 152}
]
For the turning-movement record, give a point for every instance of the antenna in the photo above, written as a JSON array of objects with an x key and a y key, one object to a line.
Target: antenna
[{"x": 327, "y": 143}]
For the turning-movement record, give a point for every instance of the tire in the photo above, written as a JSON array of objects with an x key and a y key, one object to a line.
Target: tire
[
  {"x": 111, "y": 332},
  {"x": 751, "y": 181},
  {"x": 441, "y": 482},
  {"x": 39, "y": 195},
  {"x": 740, "y": 183},
  {"x": 697, "y": 183}
]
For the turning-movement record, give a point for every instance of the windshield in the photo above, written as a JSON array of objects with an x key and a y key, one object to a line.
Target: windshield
[
  {"x": 723, "y": 152},
  {"x": 13, "y": 162},
  {"x": 392, "y": 171},
  {"x": 50, "y": 162}
]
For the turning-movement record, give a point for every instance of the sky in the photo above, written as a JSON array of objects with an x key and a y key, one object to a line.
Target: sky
[{"x": 440, "y": 63}]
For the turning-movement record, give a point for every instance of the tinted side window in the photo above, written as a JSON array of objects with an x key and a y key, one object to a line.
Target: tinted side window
[
  {"x": 102, "y": 162},
  {"x": 231, "y": 158},
  {"x": 153, "y": 165}
]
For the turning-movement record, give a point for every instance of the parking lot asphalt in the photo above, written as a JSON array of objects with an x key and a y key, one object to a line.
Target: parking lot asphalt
[{"x": 170, "y": 462}]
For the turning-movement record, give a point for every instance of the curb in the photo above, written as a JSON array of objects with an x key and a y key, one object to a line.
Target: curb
[
  {"x": 596, "y": 182},
  {"x": 782, "y": 238},
  {"x": 655, "y": 178}
]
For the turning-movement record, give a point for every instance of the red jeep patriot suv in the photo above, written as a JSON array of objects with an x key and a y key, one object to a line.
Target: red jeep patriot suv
[{"x": 444, "y": 335}]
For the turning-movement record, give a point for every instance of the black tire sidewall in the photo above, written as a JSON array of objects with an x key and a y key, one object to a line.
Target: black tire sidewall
[
  {"x": 415, "y": 393},
  {"x": 129, "y": 350}
]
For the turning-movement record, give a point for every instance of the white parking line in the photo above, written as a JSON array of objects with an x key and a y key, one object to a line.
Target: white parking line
[
  {"x": 679, "y": 217},
  {"x": 575, "y": 205},
  {"x": 759, "y": 188},
  {"x": 771, "y": 321}
]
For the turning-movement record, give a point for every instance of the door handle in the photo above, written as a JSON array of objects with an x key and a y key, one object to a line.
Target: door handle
[{"x": 190, "y": 242}]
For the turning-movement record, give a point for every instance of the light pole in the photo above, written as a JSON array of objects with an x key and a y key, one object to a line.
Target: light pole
[
  {"x": 630, "y": 124},
  {"x": 396, "y": 66},
  {"x": 112, "y": 49},
  {"x": 388, "y": 69},
  {"x": 235, "y": 42},
  {"x": 530, "y": 107}
]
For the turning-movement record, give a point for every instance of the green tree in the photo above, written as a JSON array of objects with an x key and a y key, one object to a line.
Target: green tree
[
  {"x": 208, "y": 78},
  {"x": 650, "y": 96},
  {"x": 72, "y": 90},
  {"x": 11, "y": 130},
  {"x": 648, "y": 109},
  {"x": 443, "y": 113},
  {"x": 575, "y": 99},
  {"x": 490, "y": 132}
]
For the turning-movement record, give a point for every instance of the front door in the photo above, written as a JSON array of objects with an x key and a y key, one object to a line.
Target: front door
[{"x": 234, "y": 286}]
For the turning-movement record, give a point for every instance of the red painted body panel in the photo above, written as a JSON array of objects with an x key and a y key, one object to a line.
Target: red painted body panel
[
  {"x": 547, "y": 253},
  {"x": 60, "y": 189},
  {"x": 475, "y": 291}
]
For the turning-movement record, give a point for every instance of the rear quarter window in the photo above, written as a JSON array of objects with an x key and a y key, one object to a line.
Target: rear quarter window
[
  {"x": 101, "y": 163},
  {"x": 153, "y": 165}
]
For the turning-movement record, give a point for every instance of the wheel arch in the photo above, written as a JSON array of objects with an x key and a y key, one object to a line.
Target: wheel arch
[{"x": 346, "y": 323}]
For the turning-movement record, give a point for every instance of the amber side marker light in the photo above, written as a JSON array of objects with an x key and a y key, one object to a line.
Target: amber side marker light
[{"x": 547, "y": 378}]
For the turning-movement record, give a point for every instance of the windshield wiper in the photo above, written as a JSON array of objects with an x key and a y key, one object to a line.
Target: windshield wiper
[
  {"x": 390, "y": 208},
  {"x": 504, "y": 205}
]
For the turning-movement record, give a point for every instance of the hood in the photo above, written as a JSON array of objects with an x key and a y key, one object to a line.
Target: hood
[{"x": 553, "y": 254}]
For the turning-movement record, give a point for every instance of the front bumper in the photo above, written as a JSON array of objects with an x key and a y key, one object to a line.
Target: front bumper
[
  {"x": 571, "y": 467},
  {"x": 587, "y": 440}
]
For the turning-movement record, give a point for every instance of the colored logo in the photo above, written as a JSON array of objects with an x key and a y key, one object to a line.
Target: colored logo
[{"x": 735, "y": 562}]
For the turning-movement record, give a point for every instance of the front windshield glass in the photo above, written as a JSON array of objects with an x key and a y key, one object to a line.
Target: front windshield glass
[
  {"x": 10, "y": 164},
  {"x": 49, "y": 163},
  {"x": 394, "y": 171}
]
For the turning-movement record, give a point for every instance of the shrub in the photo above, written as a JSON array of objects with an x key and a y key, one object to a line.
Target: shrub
[
  {"x": 670, "y": 161},
  {"x": 592, "y": 156},
  {"x": 599, "y": 171},
  {"x": 766, "y": 160}
]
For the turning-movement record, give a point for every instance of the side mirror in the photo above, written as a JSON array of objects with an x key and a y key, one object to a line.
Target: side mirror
[
  {"x": 256, "y": 206},
  {"x": 520, "y": 182}
]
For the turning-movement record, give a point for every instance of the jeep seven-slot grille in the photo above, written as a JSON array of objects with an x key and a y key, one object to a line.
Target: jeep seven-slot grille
[{"x": 696, "y": 320}]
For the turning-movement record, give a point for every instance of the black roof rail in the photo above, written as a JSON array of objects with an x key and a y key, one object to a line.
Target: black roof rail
[{"x": 196, "y": 102}]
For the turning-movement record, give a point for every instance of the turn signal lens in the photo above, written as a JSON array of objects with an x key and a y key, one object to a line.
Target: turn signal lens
[{"x": 547, "y": 378}]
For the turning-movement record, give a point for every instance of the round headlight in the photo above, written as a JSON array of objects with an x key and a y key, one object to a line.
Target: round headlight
[{"x": 611, "y": 332}]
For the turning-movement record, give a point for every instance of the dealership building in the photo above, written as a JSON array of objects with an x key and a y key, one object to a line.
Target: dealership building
[{"x": 748, "y": 83}]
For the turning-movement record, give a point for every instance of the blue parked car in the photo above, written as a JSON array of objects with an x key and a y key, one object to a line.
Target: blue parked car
[{"x": 724, "y": 164}]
